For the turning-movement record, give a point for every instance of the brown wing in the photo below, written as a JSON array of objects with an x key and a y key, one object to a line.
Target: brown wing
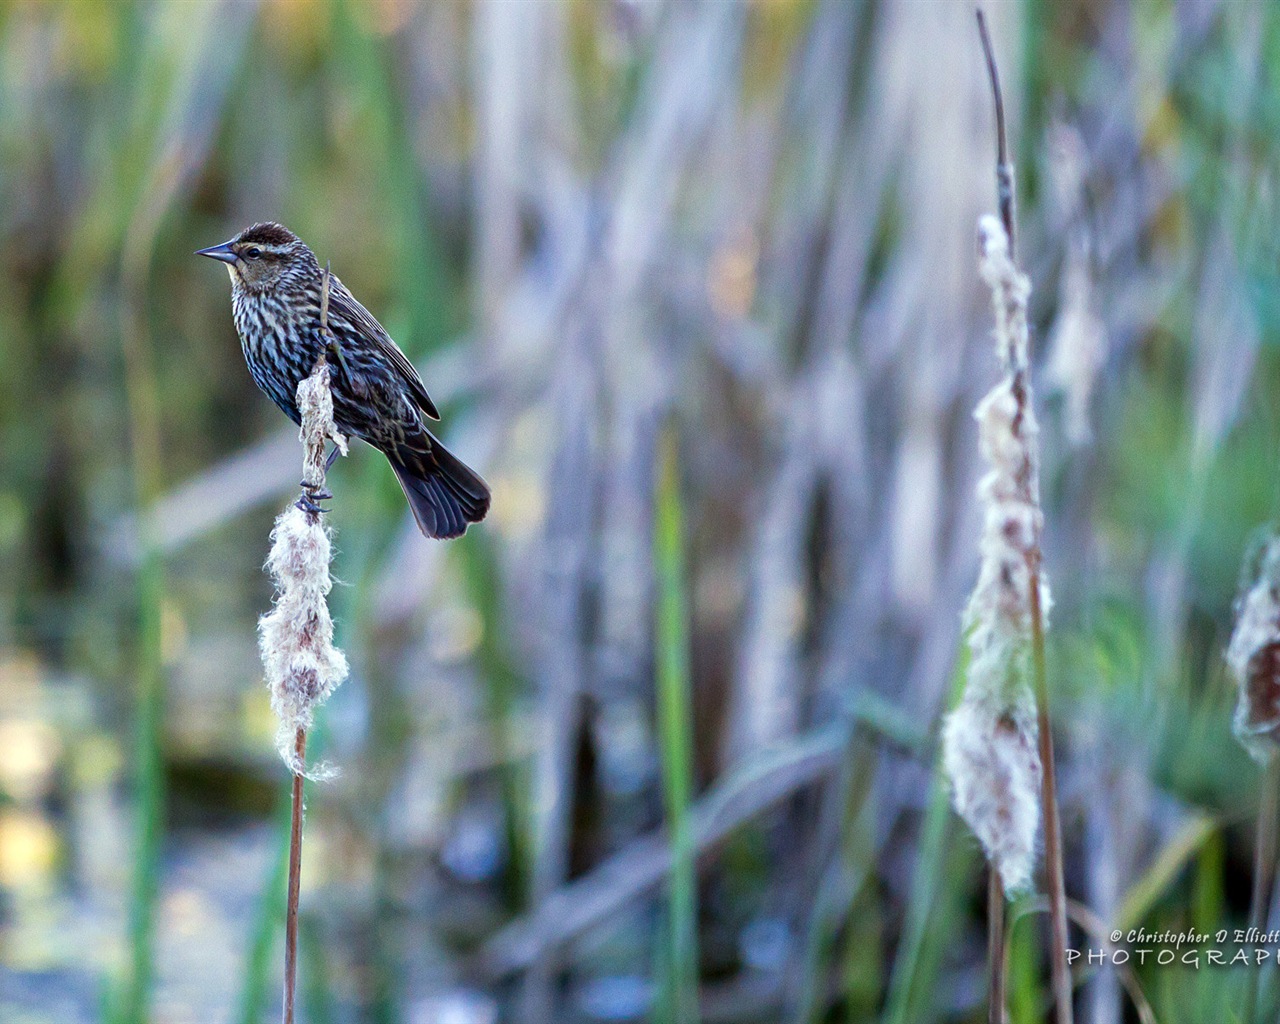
[{"x": 343, "y": 302}]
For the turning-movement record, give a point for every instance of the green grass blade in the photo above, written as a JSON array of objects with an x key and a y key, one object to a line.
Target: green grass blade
[
  {"x": 843, "y": 880},
  {"x": 675, "y": 734},
  {"x": 426, "y": 288},
  {"x": 917, "y": 960},
  {"x": 927, "y": 881},
  {"x": 132, "y": 1005},
  {"x": 1164, "y": 870}
]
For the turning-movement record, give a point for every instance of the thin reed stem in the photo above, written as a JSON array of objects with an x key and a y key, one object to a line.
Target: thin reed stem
[
  {"x": 675, "y": 729},
  {"x": 1054, "y": 876},
  {"x": 1006, "y": 196},
  {"x": 1264, "y": 868},
  {"x": 995, "y": 947},
  {"x": 1055, "y": 882},
  {"x": 295, "y": 878}
]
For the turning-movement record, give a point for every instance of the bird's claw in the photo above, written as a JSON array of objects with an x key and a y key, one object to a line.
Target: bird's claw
[{"x": 310, "y": 498}]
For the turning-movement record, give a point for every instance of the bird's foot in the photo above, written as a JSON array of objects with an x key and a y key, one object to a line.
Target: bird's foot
[{"x": 309, "y": 500}]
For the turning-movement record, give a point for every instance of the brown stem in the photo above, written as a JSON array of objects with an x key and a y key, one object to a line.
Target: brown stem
[
  {"x": 1005, "y": 192},
  {"x": 295, "y": 877},
  {"x": 1264, "y": 866},
  {"x": 995, "y": 947},
  {"x": 1055, "y": 884}
]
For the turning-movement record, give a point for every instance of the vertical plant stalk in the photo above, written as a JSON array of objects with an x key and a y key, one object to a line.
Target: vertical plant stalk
[
  {"x": 1006, "y": 194},
  {"x": 1006, "y": 199},
  {"x": 995, "y": 947},
  {"x": 1264, "y": 869},
  {"x": 991, "y": 740},
  {"x": 295, "y": 880},
  {"x": 675, "y": 708},
  {"x": 1054, "y": 878},
  {"x": 301, "y": 663}
]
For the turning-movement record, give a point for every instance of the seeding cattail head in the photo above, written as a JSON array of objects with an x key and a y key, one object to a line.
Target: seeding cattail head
[
  {"x": 1254, "y": 658},
  {"x": 990, "y": 742},
  {"x": 1010, "y": 289},
  {"x": 991, "y": 756},
  {"x": 315, "y": 405},
  {"x": 301, "y": 663}
]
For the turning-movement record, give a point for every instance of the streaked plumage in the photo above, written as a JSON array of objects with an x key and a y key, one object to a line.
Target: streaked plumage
[{"x": 377, "y": 394}]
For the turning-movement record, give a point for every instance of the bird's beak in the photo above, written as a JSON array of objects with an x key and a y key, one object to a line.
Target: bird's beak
[{"x": 222, "y": 252}]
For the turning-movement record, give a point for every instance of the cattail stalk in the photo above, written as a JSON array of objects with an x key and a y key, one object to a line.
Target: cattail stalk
[
  {"x": 1264, "y": 869},
  {"x": 998, "y": 743},
  {"x": 1253, "y": 655},
  {"x": 295, "y": 880},
  {"x": 992, "y": 748},
  {"x": 296, "y": 637},
  {"x": 1006, "y": 196},
  {"x": 1054, "y": 875},
  {"x": 995, "y": 948}
]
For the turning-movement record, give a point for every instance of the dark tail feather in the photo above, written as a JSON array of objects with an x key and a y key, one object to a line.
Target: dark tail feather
[{"x": 445, "y": 494}]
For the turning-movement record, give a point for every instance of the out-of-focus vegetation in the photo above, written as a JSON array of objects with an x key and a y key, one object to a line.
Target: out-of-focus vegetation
[{"x": 747, "y": 228}]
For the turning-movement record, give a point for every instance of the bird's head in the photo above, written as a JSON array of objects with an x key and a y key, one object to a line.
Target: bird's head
[{"x": 261, "y": 256}]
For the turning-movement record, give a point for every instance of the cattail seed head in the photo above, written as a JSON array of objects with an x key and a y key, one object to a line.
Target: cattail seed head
[
  {"x": 992, "y": 758},
  {"x": 1253, "y": 656},
  {"x": 301, "y": 663},
  {"x": 315, "y": 405},
  {"x": 990, "y": 741},
  {"x": 1010, "y": 289}
]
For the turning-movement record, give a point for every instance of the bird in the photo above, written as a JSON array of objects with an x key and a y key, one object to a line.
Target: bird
[{"x": 276, "y": 286}]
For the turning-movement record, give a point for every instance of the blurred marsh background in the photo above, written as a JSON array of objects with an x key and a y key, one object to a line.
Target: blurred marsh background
[{"x": 695, "y": 286}]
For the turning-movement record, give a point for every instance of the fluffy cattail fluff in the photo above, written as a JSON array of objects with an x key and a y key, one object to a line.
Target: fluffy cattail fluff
[
  {"x": 1254, "y": 658},
  {"x": 990, "y": 741},
  {"x": 296, "y": 637}
]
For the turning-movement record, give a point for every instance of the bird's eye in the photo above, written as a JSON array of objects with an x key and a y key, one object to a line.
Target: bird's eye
[{"x": 253, "y": 252}]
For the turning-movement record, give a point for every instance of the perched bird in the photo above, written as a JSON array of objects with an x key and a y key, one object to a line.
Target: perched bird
[{"x": 276, "y": 284}]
